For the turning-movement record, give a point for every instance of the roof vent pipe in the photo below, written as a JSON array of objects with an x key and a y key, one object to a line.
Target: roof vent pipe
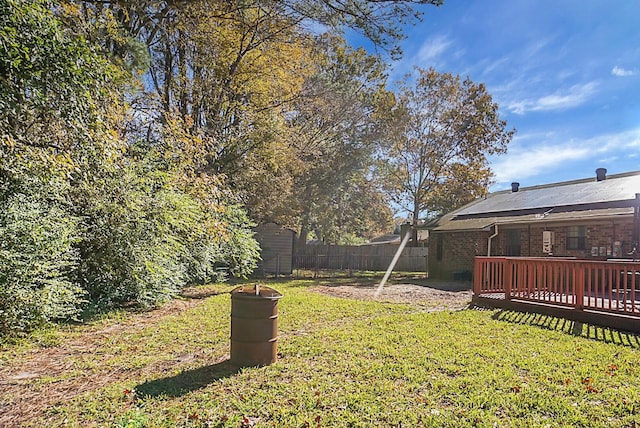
[
  {"x": 601, "y": 174},
  {"x": 515, "y": 187}
]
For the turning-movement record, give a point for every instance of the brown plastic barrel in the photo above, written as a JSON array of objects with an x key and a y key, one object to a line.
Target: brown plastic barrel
[{"x": 254, "y": 325}]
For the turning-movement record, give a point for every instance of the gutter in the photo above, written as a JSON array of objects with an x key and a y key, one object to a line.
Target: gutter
[{"x": 490, "y": 238}]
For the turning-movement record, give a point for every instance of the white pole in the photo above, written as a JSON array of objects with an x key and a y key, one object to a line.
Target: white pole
[{"x": 393, "y": 263}]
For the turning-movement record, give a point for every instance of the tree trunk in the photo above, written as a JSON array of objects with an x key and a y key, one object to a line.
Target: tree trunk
[
  {"x": 414, "y": 225},
  {"x": 302, "y": 239}
]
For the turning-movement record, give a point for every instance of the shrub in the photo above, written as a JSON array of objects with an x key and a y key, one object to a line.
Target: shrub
[
  {"x": 130, "y": 251},
  {"x": 36, "y": 250},
  {"x": 229, "y": 248},
  {"x": 145, "y": 239}
]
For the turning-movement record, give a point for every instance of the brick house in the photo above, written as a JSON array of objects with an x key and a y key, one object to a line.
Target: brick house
[{"x": 587, "y": 219}]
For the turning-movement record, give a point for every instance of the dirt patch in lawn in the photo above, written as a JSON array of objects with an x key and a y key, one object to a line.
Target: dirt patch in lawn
[{"x": 431, "y": 295}]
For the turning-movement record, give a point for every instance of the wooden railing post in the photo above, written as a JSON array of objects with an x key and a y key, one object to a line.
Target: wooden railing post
[
  {"x": 508, "y": 278},
  {"x": 478, "y": 274},
  {"x": 579, "y": 284}
]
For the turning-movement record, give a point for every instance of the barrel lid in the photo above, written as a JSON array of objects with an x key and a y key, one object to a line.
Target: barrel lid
[{"x": 256, "y": 290}]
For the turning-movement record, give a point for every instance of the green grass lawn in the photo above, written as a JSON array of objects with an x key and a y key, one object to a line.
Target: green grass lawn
[{"x": 347, "y": 363}]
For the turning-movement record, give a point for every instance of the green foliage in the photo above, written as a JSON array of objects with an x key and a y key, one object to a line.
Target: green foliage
[
  {"x": 52, "y": 81},
  {"x": 128, "y": 254},
  {"x": 36, "y": 250},
  {"x": 351, "y": 239},
  {"x": 145, "y": 239},
  {"x": 230, "y": 251},
  {"x": 240, "y": 248},
  {"x": 41, "y": 85}
]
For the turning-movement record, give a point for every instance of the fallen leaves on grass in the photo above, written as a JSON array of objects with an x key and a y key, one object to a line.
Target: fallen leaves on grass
[{"x": 591, "y": 389}]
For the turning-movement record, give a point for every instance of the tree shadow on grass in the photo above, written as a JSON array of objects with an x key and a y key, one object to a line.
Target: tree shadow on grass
[{"x": 187, "y": 381}]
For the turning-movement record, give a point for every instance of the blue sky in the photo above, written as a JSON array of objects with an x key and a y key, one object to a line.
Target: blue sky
[{"x": 565, "y": 73}]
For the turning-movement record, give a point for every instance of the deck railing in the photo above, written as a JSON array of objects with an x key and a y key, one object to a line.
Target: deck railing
[{"x": 606, "y": 286}]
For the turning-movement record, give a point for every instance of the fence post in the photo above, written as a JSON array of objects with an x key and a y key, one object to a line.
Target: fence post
[{"x": 426, "y": 265}]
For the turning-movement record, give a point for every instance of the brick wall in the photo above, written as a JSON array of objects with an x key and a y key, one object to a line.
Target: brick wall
[
  {"x": 457, "y": 252},
  {"x": 459, "y": 248},
  {"x": 602, "y": 235}
]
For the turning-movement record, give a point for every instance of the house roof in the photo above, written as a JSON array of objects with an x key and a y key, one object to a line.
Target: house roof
[
  {"x": 479, "y": 223},
  {"x": 564, "y": 201}
]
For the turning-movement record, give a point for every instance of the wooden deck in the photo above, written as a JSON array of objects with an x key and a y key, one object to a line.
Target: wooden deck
[{"x": 603, "y": 293}]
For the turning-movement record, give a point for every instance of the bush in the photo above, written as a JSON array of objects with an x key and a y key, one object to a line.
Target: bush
[
  {"x": 240, "y": 250},
  {"x": 36, "y": 249},
  {"x": 228, "y": 249},
  {"x": 144, "y": 240},
  {"x": 130, "y": 251}
]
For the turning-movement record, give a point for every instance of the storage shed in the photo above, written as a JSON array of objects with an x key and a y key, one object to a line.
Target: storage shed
[{"x": 276, "y": 243}]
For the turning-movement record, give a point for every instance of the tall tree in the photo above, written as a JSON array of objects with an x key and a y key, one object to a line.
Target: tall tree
[
  {"x": 380, "y": 21},
  {"x": 235, "y": 71},
  {"x": 231, "y": 66},
  {"x": 334, "y": 136},
  {"x": 440, "y": 131}
]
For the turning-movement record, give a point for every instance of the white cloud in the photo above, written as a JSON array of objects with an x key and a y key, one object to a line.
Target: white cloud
[
  {"x": 435, "y": 52},
  {"x": 493, "y": 65},
  {"x": 537, "y": 154},
  {"x": 525, "y": 163},
  {"x": 560, "y": 100},
  {"x": 533, "y": 50},
  {"x": 621, "y": 72},
  {"x": 433, "y": 48}
]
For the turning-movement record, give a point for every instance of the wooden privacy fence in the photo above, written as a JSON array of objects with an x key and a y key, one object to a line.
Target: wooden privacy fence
[
  {"x": 369, "y": 258},
  {"x": 610, "y": 287}
]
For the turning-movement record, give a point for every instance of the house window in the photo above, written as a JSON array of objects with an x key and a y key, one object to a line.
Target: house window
[{"x": 576, "y": 238}]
